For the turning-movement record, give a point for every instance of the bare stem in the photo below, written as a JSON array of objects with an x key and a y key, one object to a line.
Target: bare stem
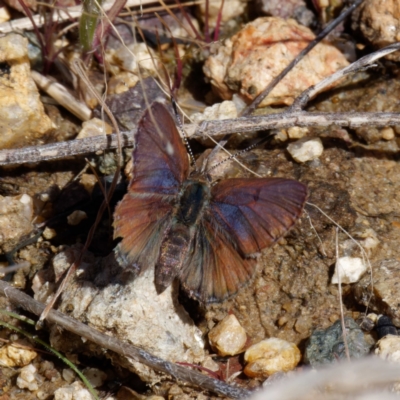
[{"x": 246, "y": 125}]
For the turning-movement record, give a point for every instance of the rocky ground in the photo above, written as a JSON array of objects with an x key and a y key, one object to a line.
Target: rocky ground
[{"x": 288, "y": 315}]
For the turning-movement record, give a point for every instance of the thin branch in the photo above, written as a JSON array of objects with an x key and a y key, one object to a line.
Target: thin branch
[
  {"x": 358, "y": 65},
  {"x": 332, "y": 25},
  {"x": 176, "y": 371},
  {"x": 214, "y": 128}
]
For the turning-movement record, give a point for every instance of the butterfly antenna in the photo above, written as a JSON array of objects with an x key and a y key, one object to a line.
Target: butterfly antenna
[
  {"x": 235, "y": 155},
  {"x": 183, "y": 133}
]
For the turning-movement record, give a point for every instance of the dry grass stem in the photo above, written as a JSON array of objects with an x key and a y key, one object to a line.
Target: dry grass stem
[{"x": 59, "y": 93}]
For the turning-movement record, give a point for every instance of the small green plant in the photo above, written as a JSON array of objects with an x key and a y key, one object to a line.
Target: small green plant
[{"x": 46, "y": 346}]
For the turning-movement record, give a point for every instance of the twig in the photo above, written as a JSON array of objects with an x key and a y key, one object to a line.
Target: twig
[
  {"x": 363, "y": 62},
  {"x": 245, "y": 125},
  {"x": 180, "y": 373},
  {"x": 55, "y": 151},
  {"x": 332, "y": 25}
]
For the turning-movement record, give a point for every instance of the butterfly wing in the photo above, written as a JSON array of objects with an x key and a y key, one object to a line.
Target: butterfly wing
[
  {"x": 245, "y": 216},
  {"x": 257, "y": 212},
  {"x": 214, "y": 269},
  {"x": 160, "y": 166},
  {"x": 160, "y": 159}
]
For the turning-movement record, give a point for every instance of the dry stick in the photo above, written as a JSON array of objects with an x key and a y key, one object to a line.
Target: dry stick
[
  {"x": 363, "y": 62},
  {"x": 245, "y": 125},
  {"x": 180, "y": 373},
  {"x": 332, "y": 25},
  {"x": 214, "y": 128}
]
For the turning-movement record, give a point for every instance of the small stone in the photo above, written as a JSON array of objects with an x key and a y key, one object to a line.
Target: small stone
[
  {"x": 378, "y": 21},
  {"x": 175, "y": 391},
  {"x": 16, "y": 215},
  {"x": 224, "y": 110},
  {"x": 68, "y": 375},
  {"x": 122, "y": 83},
  {"x": 271, "y": 356},
  {"x": 28, "y": 378},
  {"x": 132, "y": 57},
  {"x": 94, "y": 127},
  {"x": 230, "y": 11},
  {"x": 388, "y": 348},
  {"x": 49, "y": 233},
  {"x": 303, "y": 324},
  {"x": 72, "y": 392},
  {"x": 351, "y": 270},
  {"x": 368, "y": 238},
  {"x": 296, "y": 132},
  {"x": 306, "y": 149},
  {"x": 42, "y": 395},
  {"x": 296, "y": 9},
  {"x": 4, "y": 14},
  {"x": 46, "y": 366},
  {"x": 95, "y": 376},
  {"x": 76, "y": 217},
  {"x": 327, "y": 346},
  {"x": 14, "y": 356},
  {"x": 88, "y": 181},
  {"x": 228, "y": 337},
  {"x": 373, "y": 317},
  {"x": 210, "y": 364},
  {"x": 23, "y": 121},
  {"x": 366, "y": 324},
  {"x": 387, "y": 133},
  {"x": 281, "y": 135}
]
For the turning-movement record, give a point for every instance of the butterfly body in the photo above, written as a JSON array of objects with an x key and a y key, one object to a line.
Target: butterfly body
[
  {"x": 204, "y": 235},
  {"x": 191, "y": 205}
]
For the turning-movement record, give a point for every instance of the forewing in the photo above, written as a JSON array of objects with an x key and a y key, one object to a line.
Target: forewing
[
  {"x": 141, "y": 222},
  {"x": 214, "y": 269},
  {"x": 160, "y": 165},
  {"x": 257, "y": 212},
  {"x": 160, "y": 159}
]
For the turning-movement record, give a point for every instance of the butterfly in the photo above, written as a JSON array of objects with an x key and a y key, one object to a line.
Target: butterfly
[{"x": 203, "y": 234}]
